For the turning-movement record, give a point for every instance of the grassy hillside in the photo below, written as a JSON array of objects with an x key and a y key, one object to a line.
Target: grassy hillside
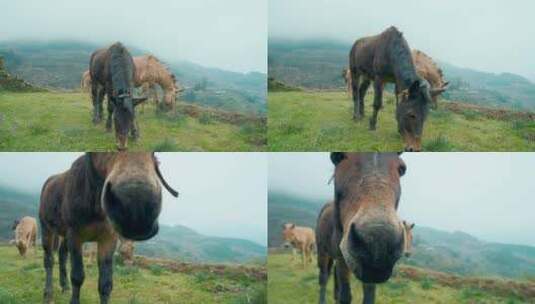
[
  {"x": 60, "y": 64},
  {"x": 60, "y": 121},
  {"x": 318, "y": 64},
  {"x": 452, "y": 252},
  {"x": 289, "y": 282},
  {"x": 147, "y": 281},
  {"x": 322, "y": 121}
]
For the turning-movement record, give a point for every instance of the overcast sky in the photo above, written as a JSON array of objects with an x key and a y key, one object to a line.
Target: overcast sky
[
  {"x": 488, "y": 35},
  {"x": 221, "y": 194},
  {"x": 489, "y": 195},
  {"x": 226, "y": 34}
]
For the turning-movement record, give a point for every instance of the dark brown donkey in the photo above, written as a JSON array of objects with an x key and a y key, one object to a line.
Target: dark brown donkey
[
  {"x": 387, "y": 58},
  {"x": 100, "y": 196},
  {"x": 360, "y": 232},
  {"x": 113, "y": 73}
]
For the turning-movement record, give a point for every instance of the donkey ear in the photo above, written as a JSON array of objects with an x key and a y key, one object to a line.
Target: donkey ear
[
  {"x": 293, "y": 226},
  {"x": 412, "y": 225},
  {"x": 138, "y": 100},
  {"x": 337, "y": 157}
]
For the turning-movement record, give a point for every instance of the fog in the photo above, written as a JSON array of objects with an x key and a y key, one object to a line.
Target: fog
[
  {"x": 229, "y": 34},
  {"x": 489, "y": 195},
  {"x": 487, "y": 35},
  {"x": 221, "y": 194}
]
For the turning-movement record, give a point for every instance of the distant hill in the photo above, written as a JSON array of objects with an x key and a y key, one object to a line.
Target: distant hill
[
  {"x": 452, "y": 252},
  {"x": 183, "y": 243},
  {"x": 15, "y": 204},
  {"x": 172, "y": 242},
  {"x": 318, "y": 64},
  {"x": 60, "y": 64}
]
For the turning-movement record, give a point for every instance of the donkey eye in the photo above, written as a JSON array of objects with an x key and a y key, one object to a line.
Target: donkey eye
[{"x": 402, "y": 169}]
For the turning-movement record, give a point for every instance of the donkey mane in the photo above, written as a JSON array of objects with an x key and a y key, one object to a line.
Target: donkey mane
[
  {"x": 400, "y": 54},
  {"x": 420, "y": 53},
  {"x": 121, "y": 68},
  {"x": 157, "y": 71}
]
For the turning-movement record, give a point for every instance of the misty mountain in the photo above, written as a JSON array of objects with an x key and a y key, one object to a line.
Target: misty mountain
[
  {"x": 453, "y": 252},
  {"x": 60, "y": 64},
  {"x": 318, "y": 64},
  {"x": 172, "y": 242}
]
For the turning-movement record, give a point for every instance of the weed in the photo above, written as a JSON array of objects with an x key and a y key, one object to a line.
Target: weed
[
  {"x": 439, "y": 143},
  {"x": 426, "y": 284}
]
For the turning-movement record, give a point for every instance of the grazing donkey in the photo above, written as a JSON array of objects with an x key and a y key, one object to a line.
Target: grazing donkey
[
  {"x": 300, "y": 238},
  {"x": 112, "y": 73},
  {"x": 25, "y": 234},
  {"x": 360, "y": 232},
  {"x": 101, "y": 196},
  {"x": 407, "y": 238},
  {"x": 387, "y": 58}
]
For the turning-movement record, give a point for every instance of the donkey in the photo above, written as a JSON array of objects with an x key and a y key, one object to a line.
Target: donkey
[
  {"x": 360, "y": 232},
  {"x": 150, "y": 72},
  {"x": 101, "y": 196},
  {"x": 25, "y": 234},
  {"x": 387, "y": 58},
  {"x": 429, "y": 70},
  {"x": 301, "y": 238},
  {"x": 113, "y": 72},
  {"x": 407, "y": 238},
  {"x": 425, "y": 68}
]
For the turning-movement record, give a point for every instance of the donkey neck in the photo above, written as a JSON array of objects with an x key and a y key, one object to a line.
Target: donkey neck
[{"x": 402, "y": 63}]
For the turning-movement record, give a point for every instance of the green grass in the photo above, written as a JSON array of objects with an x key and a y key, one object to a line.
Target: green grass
[
  {"x": 322, "y": 121},
  {"x": 59, "y": 121},
  {"x": 289, "y": 282},
  {"x": 22, "y": 281}
]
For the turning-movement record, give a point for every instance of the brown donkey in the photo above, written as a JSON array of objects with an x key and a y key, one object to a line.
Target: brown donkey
[
  {"x": 360, "y": 232},
  {"x": 407, "y": 238},
  {"x": 387, "y": 58},
  {"x": 100, "y": 196},
  {"x": 300, "y": 238}
]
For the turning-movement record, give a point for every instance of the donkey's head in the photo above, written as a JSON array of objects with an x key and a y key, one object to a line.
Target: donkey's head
[
  {"x": 131, "y": 196},
  {"x": 411, "y": 113},
  {"x": 367, "y": 192}
]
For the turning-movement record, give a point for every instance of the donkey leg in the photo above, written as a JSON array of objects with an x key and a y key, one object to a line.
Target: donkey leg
[
  {"x": 325, "y": 264},
  {"x": 343, "y": 276},
  {"x": 369, "y": 293},
  {"x": 377, "y": 101},
  {"x": 47, "y": 240},
  {"x": 134, "y": 133},
  {"x": 336, "y": 289},
  {"x": 77, "y": 265},
  {"x": 95, "y": 93},
  {"x": 63, "y": 255},
  {"x": 106, "y": 248},
  {"x": 362, "y": 94},
  {"x": 355, "y": 83},
  {"x": 111, "y": 107},
  {"x": 304, "y": 255}
]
